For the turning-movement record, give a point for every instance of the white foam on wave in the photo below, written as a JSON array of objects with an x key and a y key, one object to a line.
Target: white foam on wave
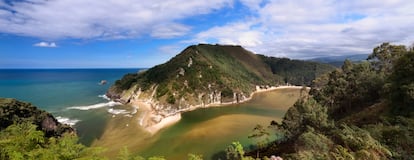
[
  {"x": 118, "y": 111},
  {"x": 104, "y": 97},
  {"x": 134, "y": 110},
  {"x": 95, "y": 106},
  {"x": 67, "y": 121}
]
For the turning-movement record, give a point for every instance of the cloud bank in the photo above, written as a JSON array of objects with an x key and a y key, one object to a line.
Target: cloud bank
[
  {"x": 312, "y": 28},
  {"x": 103, "y": 19},
  {"x": 289, "y": 28}
]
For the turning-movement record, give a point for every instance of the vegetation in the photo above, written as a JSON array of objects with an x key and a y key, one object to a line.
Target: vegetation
[
  {"x": 204, "y": 69},
  {"x": 23, "y": 141},
  {"x": 296, "y": 72},
  {"x": 13, "y": 111},
  {"x": 361, "y": 111},
  {"x": 26, "y": 139}
]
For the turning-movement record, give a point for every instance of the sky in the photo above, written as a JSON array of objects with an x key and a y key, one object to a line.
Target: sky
[{"x": 142, "y": 33}]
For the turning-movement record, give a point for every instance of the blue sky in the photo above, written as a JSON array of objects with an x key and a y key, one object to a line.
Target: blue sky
[{"x": 133, "y": 33}]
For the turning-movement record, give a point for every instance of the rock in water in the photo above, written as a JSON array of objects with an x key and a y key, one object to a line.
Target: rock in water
[{"x": 103, "y": 82}]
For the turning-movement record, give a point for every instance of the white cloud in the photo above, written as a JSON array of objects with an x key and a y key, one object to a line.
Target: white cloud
[
  {"x": 252, "y": 4},
  {"x": 170, "y": 49},
  {"x": 291, "y": 28},
  {"x": 311, "y": 28},
  {"x": 105, "y": 19},
  {"x": 46, "y": 44},
  {"x": 234, "y": 34},
  {"x": 169, "y": 30}
]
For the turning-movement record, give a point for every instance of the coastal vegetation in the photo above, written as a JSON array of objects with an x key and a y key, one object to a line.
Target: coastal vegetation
[
  {"x": 27, "y": 132},
  {"x": 361, "y": 111},
  {"x": 296, "y": 72},
  {"x": 205, "y": 74},
  {"x": 13, "y": 111}
]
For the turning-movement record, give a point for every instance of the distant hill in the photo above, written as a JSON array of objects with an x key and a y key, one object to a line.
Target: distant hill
[
  {"x": 296, "y": 72},
  {"x": 211, "y": 74},
  {"x": 338, "y": 61}
]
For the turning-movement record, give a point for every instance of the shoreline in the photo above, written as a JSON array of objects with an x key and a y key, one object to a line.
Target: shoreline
[{"x": 145, "y": 120}]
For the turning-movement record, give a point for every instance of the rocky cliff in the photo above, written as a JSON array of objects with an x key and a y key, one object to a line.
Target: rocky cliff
[{"x": 14, "y": 111}]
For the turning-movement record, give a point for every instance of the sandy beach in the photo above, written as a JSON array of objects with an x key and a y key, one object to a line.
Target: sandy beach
[
  {"x": 167, "y": 121},
  {"x": 148, "y": 131},
  {"x": 147, "y": 113},
  {"x": 145, "y": 119}
]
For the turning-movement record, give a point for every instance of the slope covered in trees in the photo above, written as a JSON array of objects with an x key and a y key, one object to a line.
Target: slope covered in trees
[
  {"x": 204, "y": 74},
  {"x": 361, "y": 111},
  {"x": 296, "y": 72}
]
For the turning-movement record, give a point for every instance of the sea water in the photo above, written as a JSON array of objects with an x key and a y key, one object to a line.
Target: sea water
[{"x": 73, "y": 96}]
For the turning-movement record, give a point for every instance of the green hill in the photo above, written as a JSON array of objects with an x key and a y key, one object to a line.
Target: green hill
[{"x": 210, "y": 74}]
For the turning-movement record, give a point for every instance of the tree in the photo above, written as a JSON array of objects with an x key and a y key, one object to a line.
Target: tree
[
  {"x": 22, "y": 141},
  {"x": 261, "y": 136},
  {"x": 402, "y": 85},
  {"x": 19, "y": 140},
  {"x": 384, "y": 56},
  {"x": 195, "y": 157},
  {"x": 235, "y": 151}
]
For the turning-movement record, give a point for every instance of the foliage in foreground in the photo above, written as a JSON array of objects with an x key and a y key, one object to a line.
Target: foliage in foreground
[
  {"x": 23, "y": 141},
  {"x": 362, "y": 111}
]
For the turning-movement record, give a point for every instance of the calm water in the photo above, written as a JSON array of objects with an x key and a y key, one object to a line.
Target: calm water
[
  {"x": 74, "y": 96},
  {"x": 58, "y": 90},
  {"x": 204, "y": 131}
]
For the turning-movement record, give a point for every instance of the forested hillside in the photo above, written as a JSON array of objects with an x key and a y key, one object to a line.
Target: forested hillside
[
  {"x": 296, "y": 72},
  {"x": 361, "y": 111},
  {"x": 205, "y": 74}
]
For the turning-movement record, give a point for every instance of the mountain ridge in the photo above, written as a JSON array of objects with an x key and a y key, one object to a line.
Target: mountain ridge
[
  {"x": 339, "y": 60},
  {"x": 200, "y": 76}
]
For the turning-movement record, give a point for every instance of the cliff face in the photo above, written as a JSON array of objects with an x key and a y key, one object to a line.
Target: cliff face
[
  {"x": 14, "y": 111},
  {"x": 200, "y": 75}
]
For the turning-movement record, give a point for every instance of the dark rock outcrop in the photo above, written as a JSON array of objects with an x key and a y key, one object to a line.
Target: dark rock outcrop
[{"x": 14, "y": 111}]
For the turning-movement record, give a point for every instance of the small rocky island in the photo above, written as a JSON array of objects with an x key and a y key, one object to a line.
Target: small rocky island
[{"x": 208, "y": 75}]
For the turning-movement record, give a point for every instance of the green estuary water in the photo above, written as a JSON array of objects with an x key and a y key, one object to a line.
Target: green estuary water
[
  {"x": 205, "y": 131},
  {"x": 75, "y": 97}
]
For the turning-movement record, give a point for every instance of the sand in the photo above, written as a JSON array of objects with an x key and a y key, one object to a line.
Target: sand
[
  {"x": 145, "y": 119},
  {"x": 167, "y": 121},
  {"x": 146, "y": 138}
]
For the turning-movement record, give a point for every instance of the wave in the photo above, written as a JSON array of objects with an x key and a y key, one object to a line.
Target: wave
[
  {"x": 67, "y": 121},
  {"x": 104, "y": 97},
  {"x": 134, "y": 110},
  {"x": 95, "y": 106},
  {"x": 118, "y": 111}
]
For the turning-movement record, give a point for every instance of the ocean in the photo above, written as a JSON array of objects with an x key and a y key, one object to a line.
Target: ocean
[{"x": 73, "y": 96}]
